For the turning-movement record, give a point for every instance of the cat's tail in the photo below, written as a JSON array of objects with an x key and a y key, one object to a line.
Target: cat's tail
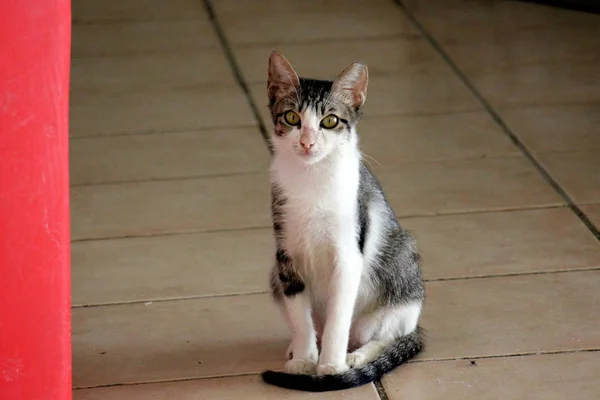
[{"x": 397, "y": 353}]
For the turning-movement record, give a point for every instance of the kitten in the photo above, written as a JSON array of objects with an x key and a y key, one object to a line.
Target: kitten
[{"x": 346, "y": 275}]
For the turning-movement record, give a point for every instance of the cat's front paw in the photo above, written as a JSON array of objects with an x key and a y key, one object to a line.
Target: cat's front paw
[
  {"x": 330, "y": 369},
  {"x": 356, "y": 359},
  {"x": 301, "y": 367},
  {"x": 311, "y": 354}
]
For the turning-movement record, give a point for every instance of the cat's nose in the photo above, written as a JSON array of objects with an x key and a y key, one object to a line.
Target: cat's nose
[
  {"x": 307, "y": 144},
  {"x": 307, "y": 140}
]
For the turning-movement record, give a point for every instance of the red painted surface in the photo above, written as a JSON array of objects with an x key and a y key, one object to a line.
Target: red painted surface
[{"x": 35, "y": 345}]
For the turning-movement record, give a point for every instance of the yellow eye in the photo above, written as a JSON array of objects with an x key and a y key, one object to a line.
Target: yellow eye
[
  {"x": 330, "y": 121},
  {"x": 292, "y": 118}
]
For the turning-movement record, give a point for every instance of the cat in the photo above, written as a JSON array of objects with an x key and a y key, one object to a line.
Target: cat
[{"x": 346, "y": 275}]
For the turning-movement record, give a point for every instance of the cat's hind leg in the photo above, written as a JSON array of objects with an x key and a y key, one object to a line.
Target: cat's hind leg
[{"x": 384, "y": 327}]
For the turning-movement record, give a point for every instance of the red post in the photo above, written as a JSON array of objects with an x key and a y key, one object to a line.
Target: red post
[{"x": 35, "y": 343}]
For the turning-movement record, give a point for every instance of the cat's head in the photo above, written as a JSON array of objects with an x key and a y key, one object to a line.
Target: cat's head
[{"x": 312, "y": 118}]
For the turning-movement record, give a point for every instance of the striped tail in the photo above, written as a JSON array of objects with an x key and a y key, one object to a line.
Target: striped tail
[{"x": 396, "y": 354}]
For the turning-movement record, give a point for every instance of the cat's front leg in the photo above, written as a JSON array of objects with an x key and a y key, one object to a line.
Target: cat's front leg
[
  {"x": 340, "y": 308},
  {"x": 297, "y": 306},
  {"x": 303, "y": 348}
]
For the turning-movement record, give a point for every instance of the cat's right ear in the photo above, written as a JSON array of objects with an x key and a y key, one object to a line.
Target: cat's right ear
[{"x": 283, "y": 80}]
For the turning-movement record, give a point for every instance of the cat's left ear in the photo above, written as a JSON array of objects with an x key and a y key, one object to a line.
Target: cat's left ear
[{"x": 351, "y": 84}]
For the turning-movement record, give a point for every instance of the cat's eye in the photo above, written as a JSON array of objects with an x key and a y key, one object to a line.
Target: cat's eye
[
  {"x": 330, "y": 121},
  {"x": 292, "y": 118}
]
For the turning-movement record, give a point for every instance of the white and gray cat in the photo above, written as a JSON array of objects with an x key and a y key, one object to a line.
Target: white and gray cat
[{"x": 346, "y": 275}]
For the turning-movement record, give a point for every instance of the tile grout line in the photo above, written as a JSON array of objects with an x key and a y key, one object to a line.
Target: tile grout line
[
  {"x": 498, "y": 119},
  {"x": 158, "y": 382},
  {"x": 167, "y": 300},
  {"x": 173, "y": 233},
  {"x": 380, "y": 390},
  {"x": 167, "y": 179},
  {"x": 260, "y": 292},
  {"x": 510, "y": 355},
  {"x": 239, "y": 77},
  {"x": 175, "y": 131},
  {"x": 402, "y": 217},
  {"x": 200, "y": 378}
]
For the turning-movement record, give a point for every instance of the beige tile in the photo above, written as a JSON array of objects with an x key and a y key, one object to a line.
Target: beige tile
[
  {"x": 266, "y": 7},
  {"x": 561, "y": 127},
  {"x": 402, "y": 95},
  {"x": 177, "y": 266},
  {"x": 540, "y": 84},
  {"x": 315, "y": 21},
  {"x": 593, "y": 212},
  {"x": 158, "y": 111},
  {"x": 167, "y": 155},
  {"x": 451, "y": 22},
  {"x": 418, "y": 94},
  {"x": 177, "y": 339},
  {"x": 235, "y": 388},
  {"x": 388, "y": 141},
  {"x": 92, "y": 40},
  {"x": 502, "y": 48},
  {"x": 514, "y": 242},
  {"x": 383, "y": 57},
  {"x": 512, "y": 315},
  {"x": 576, "y": 171},
  {"x": 543, "y": 377},
  {"x": 179, "y": 206},
  {"x": 244, "y": 334},
  {"x": 86, "y": 11},
  {"x": 150, "y": 72},
  {"x": 460, "y": 186}
]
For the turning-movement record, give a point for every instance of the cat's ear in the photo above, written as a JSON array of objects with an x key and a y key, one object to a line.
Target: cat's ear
[
  {"x": 283, "y": 80},
  {"x": 351, "y": 84}
]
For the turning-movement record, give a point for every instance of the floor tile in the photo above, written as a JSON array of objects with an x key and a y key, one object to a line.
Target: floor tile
[
  {"x": 160, "y": 71},
  {"x": 418, "y": 94},
  {"x": 451, "y": 22},
  {"x": 576, "y": 171},
  {"x": 383, "y": 57},
  {"x": 86, "y": 11},
  {"x": 177, "y": 339},
  {"x": 265, "y": 7},
  {"x": 179, "y": 206},
  {"x": 167, "y": 155},
  {"x": 460, "y": 186},
  {"x": 240, "y": 387},
  {"x": 176, "y": 266},
  {"x": 502, "y": 48},
  {"x": 315, "y": 21},
  {"x": 398, "y": 95},
  {"x": 514, "y": 242},
  {"x": 593, "y": 212},
  {"x": 548, "y": 84},
  {"x": 388, "y": 141},
  {"x": 542, "y": 377},
  {"x": 561, "y": 127},
  {"x": 93, "y": 40},
  {"x": 158, "y": 111},
  {"x": 232, "y": 335},
  {"x": 512, "y": 315}
]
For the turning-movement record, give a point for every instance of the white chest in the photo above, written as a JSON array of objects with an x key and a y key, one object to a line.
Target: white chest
[{"x": 320, "y": 208}]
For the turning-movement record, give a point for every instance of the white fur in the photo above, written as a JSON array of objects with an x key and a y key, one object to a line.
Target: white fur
[{"x": 320, "y": 220}]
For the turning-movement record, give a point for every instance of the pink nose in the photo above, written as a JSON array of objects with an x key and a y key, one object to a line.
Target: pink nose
[
  {"x": 307, "y": 144},
  {"x": 307, "y": 140}
]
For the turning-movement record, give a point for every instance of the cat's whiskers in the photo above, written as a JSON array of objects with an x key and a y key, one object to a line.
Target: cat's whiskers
[{"x": 368, "y": 157}]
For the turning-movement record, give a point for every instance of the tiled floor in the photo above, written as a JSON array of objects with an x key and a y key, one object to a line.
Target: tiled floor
[{"x": 482, "y": 122}]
